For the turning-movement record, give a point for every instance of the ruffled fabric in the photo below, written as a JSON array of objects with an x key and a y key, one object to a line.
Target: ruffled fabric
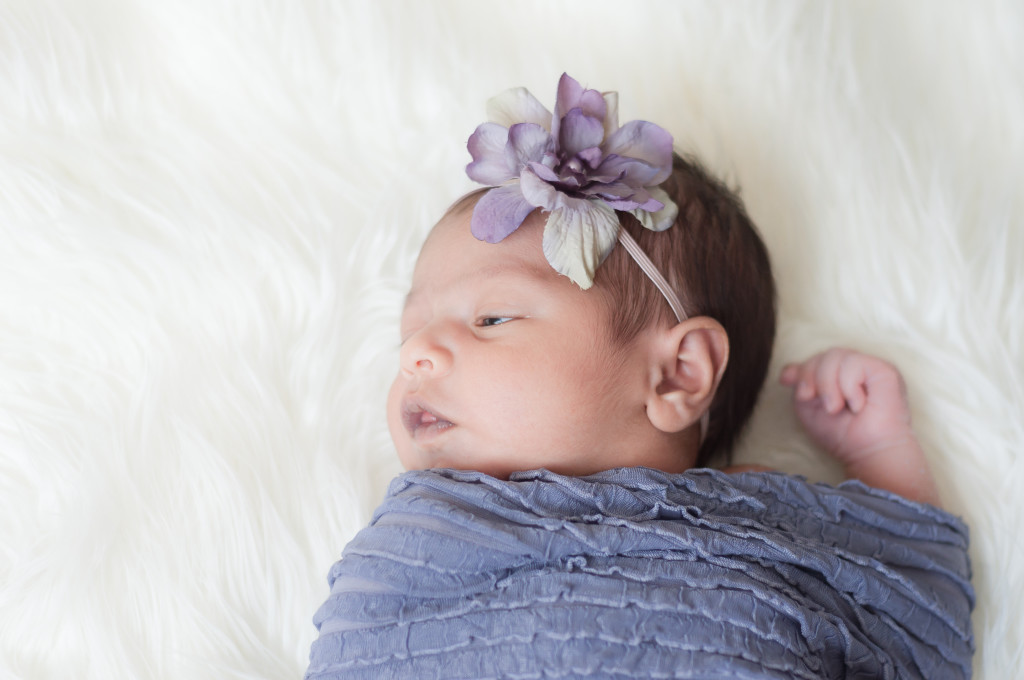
[{"x": 634, "y": 573}]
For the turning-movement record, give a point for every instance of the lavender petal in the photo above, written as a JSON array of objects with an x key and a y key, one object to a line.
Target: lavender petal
[
  {"x": 544, "y": 172},
  {"x": 487, "y": 147},
  {"x": 566, "y": 95},
  {"x": 593, "y": 104},
  {"x": 612, "y": 191},
  {"x": 651, "y": 205},
  {"x": 578, "y": 132},
  {"x": 631, "y": 171},
  {"x": 498, "y": 213},
  {"x": 591, "y": 156},
  {"x": 527, "y": 142},
  {"x": 645, "y": 142},
  {"x": 540, "y": 193},
  {"x": 572, "y": 95},
  {"x": 624, "y": 197}
]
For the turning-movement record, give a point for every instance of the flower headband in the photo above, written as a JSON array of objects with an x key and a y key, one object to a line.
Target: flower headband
[{"x": 579, "y": 166}]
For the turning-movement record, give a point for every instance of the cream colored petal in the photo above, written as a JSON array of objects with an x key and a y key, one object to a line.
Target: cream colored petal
[
  {"x": 661, "y": 219},
  {"x": 517, "y": 105},
  {"x": 611, "y": 117},
  {"x": 576, "y": 242}
]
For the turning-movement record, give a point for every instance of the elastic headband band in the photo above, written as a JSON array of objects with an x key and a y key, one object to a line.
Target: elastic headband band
[{"x": 640, "y": 257}]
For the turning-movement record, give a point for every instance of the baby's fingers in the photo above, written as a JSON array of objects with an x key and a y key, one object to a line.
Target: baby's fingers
[
  {"x": 801, "y": 376},
  {"x": 827, "y": 377},
  {"x": 790, "y": 374},
  {"x": 853, "y": 383}
]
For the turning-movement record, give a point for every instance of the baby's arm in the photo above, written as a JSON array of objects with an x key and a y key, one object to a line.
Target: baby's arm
[{"x": 855, "y": 407}]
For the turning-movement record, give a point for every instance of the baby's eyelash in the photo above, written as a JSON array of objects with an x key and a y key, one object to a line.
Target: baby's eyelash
[{"x": 488, "y": 321}]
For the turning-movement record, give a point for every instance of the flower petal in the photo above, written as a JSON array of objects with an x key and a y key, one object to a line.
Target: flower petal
[
  {"x": 579, "y": 131},
  {"x": 540, "y": 193},
  {"x": 651, "y": 205},
  {"x": 571, "y": 95},
  {"x": 498, "y": 213},
  {"x": 487, "y": 146},
  {"x": 576, "y": 242},
  {"x": 633, "y": 172},
  {"x": 592, "y": 156},
  {"x": 646, "y": 142},
  {"x": 622, "y": 196},
  {"x": 526, "y": 142},
  {"x": 544, "y": 172},
  {"x": 611, "y": 117},
  {"x": 662, "y": 219},
  {"x": 639, "y": 199},
  {"x": 517, "y": 105}
]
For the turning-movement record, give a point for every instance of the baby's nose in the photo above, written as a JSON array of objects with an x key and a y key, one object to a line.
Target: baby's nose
[{"x": 426, "y": 353}]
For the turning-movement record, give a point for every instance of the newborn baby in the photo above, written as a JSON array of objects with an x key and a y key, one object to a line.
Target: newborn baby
[
  {"x": 507, "y": 365},
  {"x": 579, "y": 341}
]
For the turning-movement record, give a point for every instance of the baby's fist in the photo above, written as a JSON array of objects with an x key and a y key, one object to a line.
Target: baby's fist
[{"x": 850, "y": 403}]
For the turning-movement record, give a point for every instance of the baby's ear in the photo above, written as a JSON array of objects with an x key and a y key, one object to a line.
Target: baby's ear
[{"x": 687, "y": 366}]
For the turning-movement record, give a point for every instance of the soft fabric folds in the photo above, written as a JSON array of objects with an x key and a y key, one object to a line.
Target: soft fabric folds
[{"x": 634, "y": 573}]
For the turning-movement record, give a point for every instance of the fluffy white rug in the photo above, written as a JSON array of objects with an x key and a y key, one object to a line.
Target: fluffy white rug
[{"x": 208, "y": 216}]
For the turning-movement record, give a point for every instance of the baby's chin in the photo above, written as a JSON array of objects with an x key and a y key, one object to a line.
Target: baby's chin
[
  {"x": 499, "y": 467},
  {"x": 414, "y": 458}
]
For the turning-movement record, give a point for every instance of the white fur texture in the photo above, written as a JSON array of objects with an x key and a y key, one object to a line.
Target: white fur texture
[{"x": 209, "y": 211}]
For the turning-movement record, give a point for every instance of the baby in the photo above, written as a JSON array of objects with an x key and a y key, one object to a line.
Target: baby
[
  {"x": 579, "y": 341},
  {"x": 508, "y": 365}
]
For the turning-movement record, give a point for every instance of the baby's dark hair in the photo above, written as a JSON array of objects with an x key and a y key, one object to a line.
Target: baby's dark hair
[{"x": 716, "y": 262}]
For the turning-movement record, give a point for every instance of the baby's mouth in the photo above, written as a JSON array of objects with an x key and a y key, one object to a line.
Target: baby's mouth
[{"x": 423, "y": 423}]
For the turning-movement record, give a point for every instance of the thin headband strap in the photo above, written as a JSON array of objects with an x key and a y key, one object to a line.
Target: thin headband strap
[{"x": 640, "y": 257}]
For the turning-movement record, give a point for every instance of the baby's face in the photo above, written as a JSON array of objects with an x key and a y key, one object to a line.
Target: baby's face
[{"x": 506, "y": 365}]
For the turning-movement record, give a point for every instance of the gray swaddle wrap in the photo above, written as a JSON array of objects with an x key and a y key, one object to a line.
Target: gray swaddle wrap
[{"x": 637, "y": 573}]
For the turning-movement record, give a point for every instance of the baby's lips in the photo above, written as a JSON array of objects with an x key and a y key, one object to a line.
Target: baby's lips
[{"x": 417, "y": 413}]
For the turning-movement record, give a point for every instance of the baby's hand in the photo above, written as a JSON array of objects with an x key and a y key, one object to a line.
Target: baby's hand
[
  {"x": 855, "y": 407},
  {"x": 852, "y": 404}
]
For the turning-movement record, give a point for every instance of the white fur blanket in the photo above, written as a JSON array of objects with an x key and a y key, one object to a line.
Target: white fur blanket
[{"x": 209, "y": 212}]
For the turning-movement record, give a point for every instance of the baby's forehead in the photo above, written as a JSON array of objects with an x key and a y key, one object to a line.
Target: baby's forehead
[
  {"x": 455, "y": 264},
  {"x": 451, "y": 250},
  {"x": 470, "y": 278}
]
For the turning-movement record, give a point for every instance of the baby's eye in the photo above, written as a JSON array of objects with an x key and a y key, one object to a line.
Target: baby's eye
[{"x": 494, "y": 320}]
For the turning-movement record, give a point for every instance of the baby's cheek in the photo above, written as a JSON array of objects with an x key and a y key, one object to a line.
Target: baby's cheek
[{"x": 394, "y": 417}]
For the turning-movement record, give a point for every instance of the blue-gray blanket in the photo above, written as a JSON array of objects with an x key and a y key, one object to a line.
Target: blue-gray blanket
[{"x": 634, "y": 573}]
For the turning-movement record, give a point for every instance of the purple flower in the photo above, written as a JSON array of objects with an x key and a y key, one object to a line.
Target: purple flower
[{"x": 576, "y": 164}]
